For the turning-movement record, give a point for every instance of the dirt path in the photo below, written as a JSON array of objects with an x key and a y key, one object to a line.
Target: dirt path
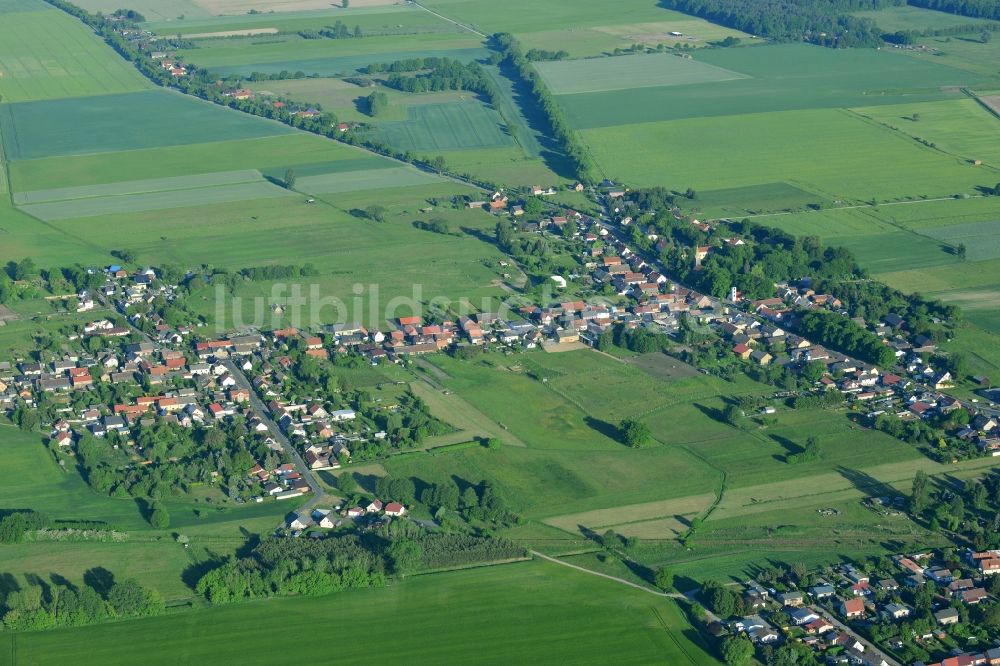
[
  {"x": 445, "y": 18},
  {"x": 671, "y": 595}
]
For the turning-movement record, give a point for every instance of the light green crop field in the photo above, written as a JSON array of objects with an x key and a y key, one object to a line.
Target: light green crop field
[
  {"x": 156, "y": 118},
  {"x": 47, "y": 54},
  {"x": 533, "y": 611},
  {"x": 584, "y": 42},
  {"x": 829, "y": 152},
  {"x": 981, "y": 239},
  {"x": 892, "y": 19},
  {"x": 525, "y": 16},
  {"x": 137, "y": 187},
  {"x": 368, "y": 179},
  {"x": 372, "y": 20},
  {"x": 153, "y": 10},
  {"x": 272, "y": 155},
  {"x": 754, "y": 199},
  {"x": 327, "y": 57},
  {"x": 962, "y": 127},
  {"x": 972, "y": 285},
  {"x": 966, "y": 52},
  {"x": 783, "y": 77},
  {"x": 565, "y": 77},
  {"x": 152, "y": 201},
  {"x": 449, "y": 126}
]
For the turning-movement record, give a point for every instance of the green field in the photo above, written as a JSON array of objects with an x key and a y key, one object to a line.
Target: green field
[
  {"x": 156, "y": 118},
  {"x": 271, "y": 155},
  {"x": 449, "y": 126},
  {"x": 47, "y": 54},
  {"x": 961, "y": 127},
  {"x": 525, "y": 16},
  {"x": 782, "y": 77},
  {"x": 327, "y": 57},
  {"x": 753, "y": 199},
  {"x": 372, "y": 20},
  {"x": 535, "y": 611},
  {"x": 565, "y": 77},
  {"x": 972, "y": 285},
  {"x": 981, "y": 239},
  {"x": 150, "y": 201},
  {"x": 833, "y": 153},
  {"x": 892, "y": 19},
  {"x": 368, "y": 179},
  {"x": 152, "y": 9}
]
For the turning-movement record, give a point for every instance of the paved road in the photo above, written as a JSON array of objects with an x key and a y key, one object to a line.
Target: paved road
[
  {"x": 265, "y": 415},
  {"x": 870, "y": 649}
]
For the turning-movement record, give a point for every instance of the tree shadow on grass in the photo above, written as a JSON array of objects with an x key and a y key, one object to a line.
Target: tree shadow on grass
[
  {"x": 100, "y": 579},
  {"x": 609, "y": 430}
]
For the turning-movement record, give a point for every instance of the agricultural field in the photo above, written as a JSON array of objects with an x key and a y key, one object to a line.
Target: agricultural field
[
  {"x": 809, "y": 150},
  {"x": 531, "y": 610},
  {"x": 47, "y": 54},
  {"x": 389, "y": 18},
  {"x": 432, "y": 128},
  {"x": 566, "y": 77},
  {"x": 326, "y": 57},
  {"x": 783, "y": 77},
  {"x": 893, "y": 19}
]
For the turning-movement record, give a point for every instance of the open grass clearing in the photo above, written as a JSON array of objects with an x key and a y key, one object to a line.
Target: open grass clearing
[
  {"x": 151, "y": 201},
  {"x": 155, "y": 118},
  {"x": 833, "y": 153},
  {"x": 566, "y": 77},
  {"x": 433, "y": 128},
  {"x": 754, "y": 199},
  {"x": 535, "y": 611},
  {"x": 966, "y": 52},
  {"x": 270, "y": 155},
  {"x": 898, "y": 250},
  {"x": 664, "y": 514},
  {"x": 503, "y": 165},
  {"x": 972, "y": 285},
  {"x": 48, "y": 54},
  {"x": 783, "y": 77}
]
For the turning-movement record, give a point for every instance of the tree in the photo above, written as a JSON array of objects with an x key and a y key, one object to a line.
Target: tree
[
  {"x": 406, "y": 556},
  {"x": 664, "y": 578},
  {"x": 920, "y": 495},
  {"x": 377, "y": 103},
  {"x": 290, "y": 179},
  {"x": 130, "y": 599},
  {"x": 376, "y": 212},
  {"x": 634, "y": 433},
  {"x": 733, "y": 415},
  {"x": 737, "y": 651},
  {"x": 159, "y": 518},
  {"x": 347, "y": 483},
  {"x": 960, "y": 251}
]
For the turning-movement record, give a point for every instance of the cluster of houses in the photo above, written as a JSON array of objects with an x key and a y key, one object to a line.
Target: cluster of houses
[
  {"x": 373, "y": 509},
  {"x": 826, "y": 615}
]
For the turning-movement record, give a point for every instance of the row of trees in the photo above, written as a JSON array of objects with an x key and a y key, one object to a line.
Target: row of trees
[
  {"x": 845, "y": 335},
  {"x": 988, "y": 9},
  {"x": 38, "y": 607},
  {"x": 440, "y": 74},
  {"x": 511, "y": 55}
]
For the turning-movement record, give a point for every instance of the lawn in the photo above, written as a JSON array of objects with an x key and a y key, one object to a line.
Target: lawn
[
  {"x": 271, "y": 155},
  {"x": 47, "y": 54},
  {"x": 432, "y": 128},
  {"x": 783, "y": 77},
  {"x": 534, "y": 611},
  {"x": 155, "y": 118},
  {"x": 565, "y": 77},
  {"x": 833, "y": 153}
]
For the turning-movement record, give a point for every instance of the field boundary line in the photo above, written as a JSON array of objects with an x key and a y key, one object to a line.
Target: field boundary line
[
  {"x": 622, "y": 581},
  {"x": 445, "y": 18}
]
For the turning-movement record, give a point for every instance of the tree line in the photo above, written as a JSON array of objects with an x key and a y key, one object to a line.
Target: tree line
[
  {"x": 823, "y": 22},
  {"x": 988, "y": 9},
  {"x": 511, "y": 55}
]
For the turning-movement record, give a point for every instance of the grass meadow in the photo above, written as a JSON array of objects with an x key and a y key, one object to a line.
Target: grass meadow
[
  {"x": 536, "y": 611},
  {"x": 582, "y": 42},
  {"x": 432, "y": 128},
  {"x": 47, "y": 54}
]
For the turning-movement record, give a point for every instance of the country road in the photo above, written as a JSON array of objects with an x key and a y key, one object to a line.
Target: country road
[{"x": 265, "y": 415}]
